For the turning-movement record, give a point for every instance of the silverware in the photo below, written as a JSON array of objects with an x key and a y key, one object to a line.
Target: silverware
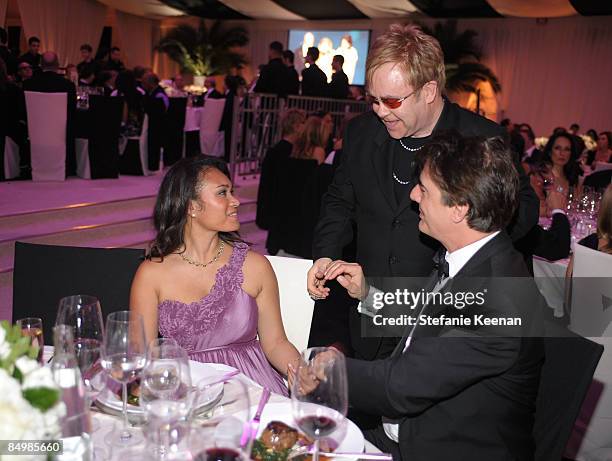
[
  {"x": 339, "y": 454},
  {"x": 250, "y": 432}
]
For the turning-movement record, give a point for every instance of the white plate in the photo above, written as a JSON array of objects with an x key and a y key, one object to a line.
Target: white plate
[
  {"x": 110, "y": 402},
  {"x": 348, "y": 436}
]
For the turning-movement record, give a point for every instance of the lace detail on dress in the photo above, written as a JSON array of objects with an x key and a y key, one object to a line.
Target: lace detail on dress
[{"x": 186, "y": 322}]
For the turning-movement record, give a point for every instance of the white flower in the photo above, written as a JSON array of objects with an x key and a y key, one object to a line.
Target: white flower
[
  {"x": 9, "y": 388},
  {"x": 26, "y": 365},
  {"x": 25, "y": 422},
  {"x": 40, "y": 377},
  {"x": 5, "y": 347}
]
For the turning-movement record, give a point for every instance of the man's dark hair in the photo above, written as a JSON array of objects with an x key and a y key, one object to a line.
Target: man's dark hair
[
  {"x": 277, "y": 46},
  {"x": 86, "y": 47},
  {"x": 139, "y": 72},
  {"x": 505, "y": 122},
  {"x": 476, "y": 172},
  {"x": 339, "y": 58},
  {"x": 289, "y": 56},
  {"x": 33, "y": 40},
  {"x": 313, "y": 52},
  {"x": 574, "y": 126},
  {"x": 3, "y": 36}
]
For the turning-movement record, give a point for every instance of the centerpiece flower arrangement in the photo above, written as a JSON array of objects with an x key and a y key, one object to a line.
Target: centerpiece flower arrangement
[{"x": 30, "y": 401}]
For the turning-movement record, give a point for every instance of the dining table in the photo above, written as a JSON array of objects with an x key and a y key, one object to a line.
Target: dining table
[{"x": 200, "y": 435}]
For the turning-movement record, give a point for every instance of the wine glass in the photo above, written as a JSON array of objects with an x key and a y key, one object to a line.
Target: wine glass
[
  {"x": 319, "y": 393},
  {"x": 165, "y": 395},
  {"x": 33, "y": 327},
  {"x": 124, "y": 356},
  {"x": 225, "y": 433},
  {"x": 84, "y": 315}
]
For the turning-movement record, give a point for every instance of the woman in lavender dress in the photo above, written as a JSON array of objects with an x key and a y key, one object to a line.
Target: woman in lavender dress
[{"x": 202, "y": 286}]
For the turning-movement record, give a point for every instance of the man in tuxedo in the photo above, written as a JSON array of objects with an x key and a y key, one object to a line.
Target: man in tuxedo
[
  {"x": 293, "y": 79},
  {"x": 371, "y": 187},
  {"x": 457, "y": 389},
  {"x": 211, "y": 89},
  {"x": 49, "y": 81},
  {"x": 273, "y": 76},
  {"x": 532, "y": 154},
  {"x": 314, "y": 81},
  {"x": 114, "y": 62},
  {"x": 156, "y": 104},
  {"x": 6, "y": 54},
  {"x": 339, "y": 86},
  {"x": 87, "y": 60},
  {"x": 32, "y": 56}
]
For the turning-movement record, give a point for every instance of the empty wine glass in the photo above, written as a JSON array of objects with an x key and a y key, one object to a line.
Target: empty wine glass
[
  {"x": 225, "y": 434},
  {"x": 165, "y": 396},
  {"x": 124, "y": 356},
  {"x": 319, "y": 393}
]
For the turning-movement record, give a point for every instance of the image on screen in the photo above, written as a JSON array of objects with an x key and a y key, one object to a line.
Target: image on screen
[{"x": 351, "y": 44}]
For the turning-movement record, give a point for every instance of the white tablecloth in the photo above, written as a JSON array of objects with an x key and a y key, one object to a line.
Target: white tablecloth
[
  {"x": 193, "y": 116},
  {"x": 550, "y": 279},
  {"x": 106, "y": 424}
]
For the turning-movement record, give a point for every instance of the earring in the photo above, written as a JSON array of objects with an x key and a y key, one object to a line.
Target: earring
[{"x": 193, "y": 215}]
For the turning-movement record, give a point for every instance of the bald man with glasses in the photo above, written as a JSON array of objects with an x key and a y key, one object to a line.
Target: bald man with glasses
[{"x": 405, "y": 81}]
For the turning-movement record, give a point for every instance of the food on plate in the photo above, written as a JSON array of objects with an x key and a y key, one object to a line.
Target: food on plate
[{"x": 278, "y": 440}]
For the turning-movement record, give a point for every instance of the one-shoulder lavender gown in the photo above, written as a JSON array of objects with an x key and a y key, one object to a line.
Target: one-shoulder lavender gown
[{"x": 222, "y": 326}]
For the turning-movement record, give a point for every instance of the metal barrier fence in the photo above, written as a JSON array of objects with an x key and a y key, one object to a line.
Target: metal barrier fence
[{"x": 256, "y": 124}]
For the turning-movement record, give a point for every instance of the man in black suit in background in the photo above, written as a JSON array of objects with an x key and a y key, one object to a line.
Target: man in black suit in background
[
  {"x": 32, "y": 56},
  {"x": 453, "y": 389},
  {"x": 372, "y": 185},
  {"x": 314, "y": 81},
  {"x": 49, "y": 81},
  {"x": 339, "y": 86},
  {"x": 6, "y": 54},
  {"x": 273, "y": 76},
  {"x": 293, "y": 79}
]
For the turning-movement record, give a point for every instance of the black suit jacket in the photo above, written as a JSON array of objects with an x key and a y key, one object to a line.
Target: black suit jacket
[
  {"x": 389, "y": 242},
  {"x": 273, "y": 78},
  {"x": 293, "y": 81},
  {"x": 339, "y": 86},
  {"x": 464, "y": 393},
  {"x": 314, "y": 82},
  {"x": 552, "y": 243},
  {"x": 213, "y": 94}
]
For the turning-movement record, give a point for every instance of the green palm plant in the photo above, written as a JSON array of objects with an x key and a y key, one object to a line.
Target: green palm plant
[{"x": 205, "y": 50}]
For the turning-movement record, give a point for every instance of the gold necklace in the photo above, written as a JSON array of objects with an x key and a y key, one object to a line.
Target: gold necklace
[{"x": 203, "y": 265}]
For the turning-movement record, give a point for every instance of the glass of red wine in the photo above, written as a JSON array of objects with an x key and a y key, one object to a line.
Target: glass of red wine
[
  {"x": 319, "y": 394},
  {"x": 33, "y": 327}
]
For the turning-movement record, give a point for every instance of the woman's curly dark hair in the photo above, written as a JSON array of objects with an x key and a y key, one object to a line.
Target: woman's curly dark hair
[
  {"x": 179, "y": 187},
  {"x": 571, "y": 169}
]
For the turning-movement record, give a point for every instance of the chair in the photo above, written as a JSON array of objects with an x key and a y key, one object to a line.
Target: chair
[
  {"x": 296, "y": 305},
  {"x": 174, "y": 134},
  {"x": 565, "y": 379},
  {"x": 44, "y": 274},
  {"x": 11, "y": 159},
  {"x": 97, "y": 156},
  {"x": 134, "y": 154},
  {"x": 211, "y": 139},
  {"x": 591, "y": 300},
  {"x": 47, "y": 123},
  {"x": 598, "y": 179}
]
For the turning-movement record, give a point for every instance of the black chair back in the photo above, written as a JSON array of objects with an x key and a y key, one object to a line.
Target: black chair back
[
  {"x": 105, "y": 118},
  {"x": 155, "y": 109},
  {"x": 44, "y": 274},
  {"x": 174, "y": 135},
  {"x": 599, "y": 179},
  {"x": 566, "y": 376}
]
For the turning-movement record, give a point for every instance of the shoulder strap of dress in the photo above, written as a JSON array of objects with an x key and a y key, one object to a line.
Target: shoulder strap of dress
[{"x": 239, "y": 253}]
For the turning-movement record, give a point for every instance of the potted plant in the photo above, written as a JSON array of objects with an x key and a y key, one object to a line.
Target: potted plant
[{"x": 204, "y": 51}]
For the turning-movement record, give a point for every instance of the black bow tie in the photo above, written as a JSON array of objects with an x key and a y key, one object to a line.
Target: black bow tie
[{"x": 441, "y": 264}]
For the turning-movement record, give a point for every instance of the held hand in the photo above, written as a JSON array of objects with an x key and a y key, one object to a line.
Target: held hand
[
  {"x": 316, "y": 279},
  {"x": 350, "y": 276}
]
